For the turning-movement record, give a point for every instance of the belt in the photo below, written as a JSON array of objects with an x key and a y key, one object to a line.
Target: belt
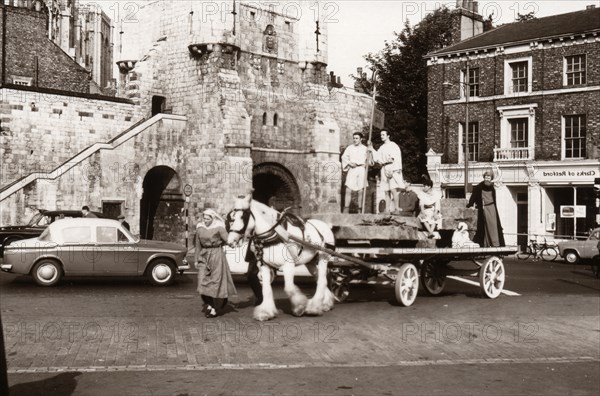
[
  {"x": 488, "y": 204},
  {"x": 428, "y": 206}
]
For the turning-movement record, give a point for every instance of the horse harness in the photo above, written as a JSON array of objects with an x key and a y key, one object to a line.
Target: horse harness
[{"x": 270, "y": 237}]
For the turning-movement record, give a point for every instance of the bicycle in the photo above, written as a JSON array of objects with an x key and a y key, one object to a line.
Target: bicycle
[{"x": 539, "y": 251}]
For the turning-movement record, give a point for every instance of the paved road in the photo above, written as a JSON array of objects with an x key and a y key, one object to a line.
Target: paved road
[{"x": 122, "y": 336}]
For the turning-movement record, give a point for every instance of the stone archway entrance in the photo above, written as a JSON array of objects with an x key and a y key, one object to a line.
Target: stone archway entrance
[
  {"x": 161, "y": 206},
  {"x": 275, "y": 185}
]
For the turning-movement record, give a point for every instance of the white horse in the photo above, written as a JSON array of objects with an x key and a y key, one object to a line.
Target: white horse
[{"x": 269, "y": 233}]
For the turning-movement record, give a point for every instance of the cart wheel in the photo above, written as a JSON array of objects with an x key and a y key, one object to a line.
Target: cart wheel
[
  {"x": 340, "y": 291},
  {"x": 432, "y": 279},
  {"x": 491, "y": 277},
  {"x": 407, "y": 284}
]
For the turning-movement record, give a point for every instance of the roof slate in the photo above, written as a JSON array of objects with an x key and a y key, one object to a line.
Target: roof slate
[{"x": 572, "y": 23}]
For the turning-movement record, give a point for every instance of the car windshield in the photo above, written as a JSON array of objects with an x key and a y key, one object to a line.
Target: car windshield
[
  {"x": 35, "y": 219},
  {"x": 129, "y": 234}
]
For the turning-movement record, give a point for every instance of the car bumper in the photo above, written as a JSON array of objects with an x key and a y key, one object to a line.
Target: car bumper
[
  {"x": 184, "y": 266},
  {"x": 6, "y": 267}
]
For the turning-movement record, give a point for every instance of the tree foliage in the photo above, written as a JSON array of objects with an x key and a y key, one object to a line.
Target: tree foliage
[
  {"x": 402, "y": 85},
  {"x": 525, "y": 17}
]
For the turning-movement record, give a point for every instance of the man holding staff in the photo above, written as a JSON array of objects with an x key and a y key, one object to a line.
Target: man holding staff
[
  {"x": 353, "y": 162},
  {"x": 389, "y": 157}
]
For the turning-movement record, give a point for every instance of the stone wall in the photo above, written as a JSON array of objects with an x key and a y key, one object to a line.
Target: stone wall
[{"x": 40, "y": 131}]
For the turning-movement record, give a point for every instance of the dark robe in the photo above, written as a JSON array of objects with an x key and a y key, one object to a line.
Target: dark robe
[{"x": 489, "y": 227}]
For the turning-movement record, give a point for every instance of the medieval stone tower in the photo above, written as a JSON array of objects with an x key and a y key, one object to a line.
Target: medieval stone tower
[
  {"x": 253, "y": 85},
  {"x": 215, "y": 99}
]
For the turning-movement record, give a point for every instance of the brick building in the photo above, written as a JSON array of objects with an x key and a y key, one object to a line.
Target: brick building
[
  {"x": 529, "y": 93},
  {"x": 212, "y": 102}
]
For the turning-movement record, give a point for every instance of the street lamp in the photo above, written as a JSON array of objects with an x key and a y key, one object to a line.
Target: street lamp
[{"x": 464, "y": 85}]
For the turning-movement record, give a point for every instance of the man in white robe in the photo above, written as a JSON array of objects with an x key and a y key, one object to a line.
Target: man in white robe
[
  {"x": 354, "y": 160},
  {"x": 389, "y": 157}
]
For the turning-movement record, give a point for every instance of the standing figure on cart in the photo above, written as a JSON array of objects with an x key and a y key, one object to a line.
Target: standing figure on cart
[
  {"x": 354, "y": 160},
  {"x": 489, "y": 229},
  {"x": 389, "y": 157}
]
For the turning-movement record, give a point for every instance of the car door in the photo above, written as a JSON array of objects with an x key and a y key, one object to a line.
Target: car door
[
  {"x": 76, "y": 250},
  {"x": 117, "y": 253},
  {"x": 591, "y": 245}
]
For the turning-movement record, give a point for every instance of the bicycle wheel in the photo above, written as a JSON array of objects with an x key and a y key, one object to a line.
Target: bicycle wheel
[{"x": 549, "y": 253}]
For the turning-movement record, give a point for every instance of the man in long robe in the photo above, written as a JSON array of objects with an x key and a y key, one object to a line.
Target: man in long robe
[
  {"x": 489, "y": 230},
  {"x": 354, "y": 160},
  {"x": 389, "y": 157}
]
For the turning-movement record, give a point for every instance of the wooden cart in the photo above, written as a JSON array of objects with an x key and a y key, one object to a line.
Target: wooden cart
[{"x": 382, "y": 254}]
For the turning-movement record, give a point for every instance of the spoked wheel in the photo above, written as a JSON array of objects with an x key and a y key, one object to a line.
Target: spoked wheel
[
  {"x": 491, "y": 277},
  {"x": 407, "y": 284},
  {"x": 432, "y": 278},
  {"x": 340, "y": 291},
  {"x": 549, "y": 253}
]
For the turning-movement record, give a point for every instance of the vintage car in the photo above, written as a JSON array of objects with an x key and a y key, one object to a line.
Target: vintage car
[
  {"x": 36, "y": 225},
  {"x": 575, "y": 251},
  {"x": 93, "y": 247}
]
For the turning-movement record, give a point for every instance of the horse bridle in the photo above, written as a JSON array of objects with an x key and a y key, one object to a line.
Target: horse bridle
[{"x": 246, "y": 214}]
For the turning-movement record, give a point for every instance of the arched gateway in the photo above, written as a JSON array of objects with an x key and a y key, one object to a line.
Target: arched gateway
[
  {"x": 276, "y": 186},
  {"x": 161, "y": 205}
]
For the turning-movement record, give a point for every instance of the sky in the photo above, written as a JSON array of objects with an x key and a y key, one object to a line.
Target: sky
[
  {"x": 361, "y": 27},
  {"x": 358, "y": 27}
]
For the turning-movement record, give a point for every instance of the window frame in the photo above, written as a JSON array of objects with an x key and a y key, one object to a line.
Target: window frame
[
  {"x": 465, "y": 81},
  {"x": 508, "y": 76},
  {"x": 563, "y": 139},
  {"x": 461, "y": 133},
  {"x": 508, "y": 113},
  {"x": 566, "y": 72}
]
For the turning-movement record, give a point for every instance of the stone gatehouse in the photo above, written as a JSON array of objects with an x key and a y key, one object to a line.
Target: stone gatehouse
[{"x": 212, "y": 103}]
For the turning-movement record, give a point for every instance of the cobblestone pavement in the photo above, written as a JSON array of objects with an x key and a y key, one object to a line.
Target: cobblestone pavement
[
  {"x": 443, "y": 331},
  {"x": 105, "y": 331}
]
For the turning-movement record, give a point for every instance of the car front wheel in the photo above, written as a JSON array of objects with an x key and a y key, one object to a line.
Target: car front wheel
[
  {"x": 571, "y": 257},
  {"x": 161, "y": 272},
  {"x": 47, "y": 273}
]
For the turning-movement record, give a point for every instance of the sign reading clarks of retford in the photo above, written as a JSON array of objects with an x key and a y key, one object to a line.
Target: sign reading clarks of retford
[{"x": 584, "y": 173}]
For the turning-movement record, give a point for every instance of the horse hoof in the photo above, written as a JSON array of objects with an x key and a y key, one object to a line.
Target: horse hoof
[{"x": 299, "y": 311}]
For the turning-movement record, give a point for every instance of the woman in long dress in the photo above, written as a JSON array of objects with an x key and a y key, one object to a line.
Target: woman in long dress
[
  {"x": 489, "y": 229},
  {"x": 215, "y": 284}
]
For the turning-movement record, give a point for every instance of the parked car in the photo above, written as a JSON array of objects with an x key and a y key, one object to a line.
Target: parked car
[
  {"x": 93, "y": 247},
  {"x": 36, "y": 225},
  {"x": 575, "y": 251}
]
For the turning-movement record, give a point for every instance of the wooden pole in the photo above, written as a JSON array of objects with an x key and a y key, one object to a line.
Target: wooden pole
[
  {"x": 329, "y": 251},
  {"x": 365, "y": 189}
]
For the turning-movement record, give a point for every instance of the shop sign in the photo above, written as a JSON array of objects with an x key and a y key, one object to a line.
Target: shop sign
[
  {"x": 580, "y": 175},
  {"x": 572, "y": 211}
]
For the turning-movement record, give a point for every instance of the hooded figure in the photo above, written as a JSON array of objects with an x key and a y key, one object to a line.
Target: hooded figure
[
  {"x": 215, "y": 284},
  {"x": 489, "y": 230}
]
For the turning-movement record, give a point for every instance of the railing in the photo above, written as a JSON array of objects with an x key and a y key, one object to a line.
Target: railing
[
  {"x": 512, "y": 154},
  {"x": 121, "y": 138}
]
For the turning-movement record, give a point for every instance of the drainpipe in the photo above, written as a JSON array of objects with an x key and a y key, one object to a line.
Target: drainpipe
[{"x": 3, "y": 81}]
